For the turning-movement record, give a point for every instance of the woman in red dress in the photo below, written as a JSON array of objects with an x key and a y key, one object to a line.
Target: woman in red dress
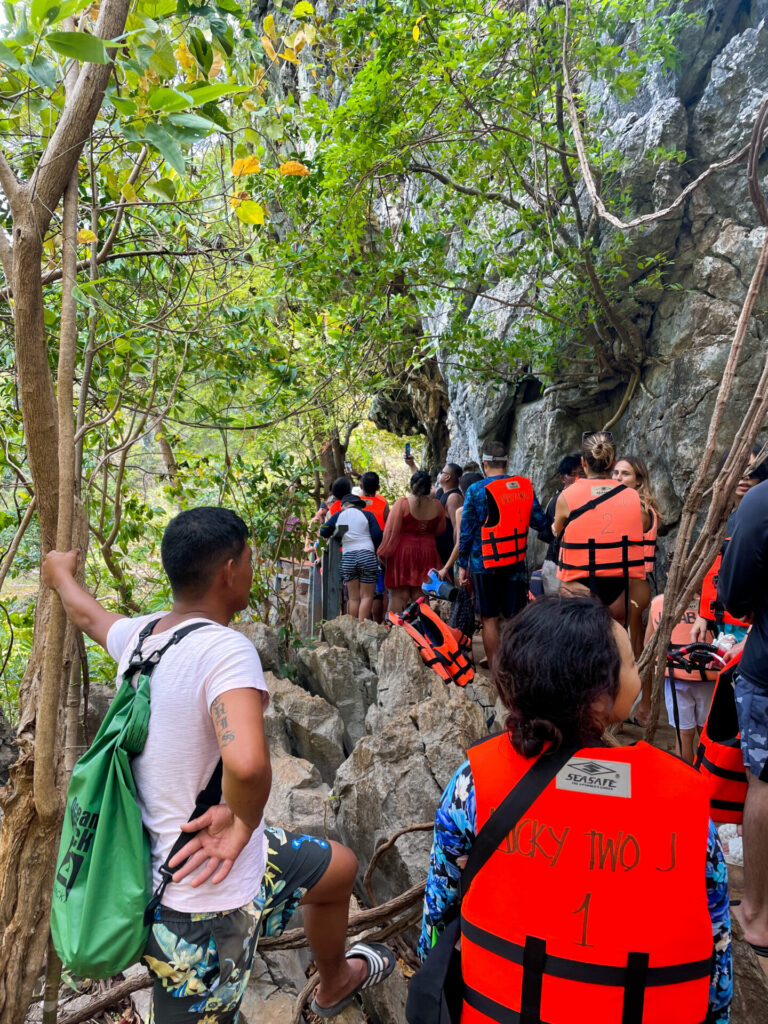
[{"x": 409, "y": 542}]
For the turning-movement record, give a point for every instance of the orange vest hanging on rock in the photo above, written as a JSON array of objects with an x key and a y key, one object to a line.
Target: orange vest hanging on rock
[
  {"x": 540, "y": 937},
  {"x": 504, "y": 534},
  {"x": 376, "y": 504},
  {"x": 603, "y": 535},
  {"x": 719, "y": 757},
  {"x": 709, "y": 606},
  {"x": 438, "y": 644},
  {"x": 649, "y": 542}
]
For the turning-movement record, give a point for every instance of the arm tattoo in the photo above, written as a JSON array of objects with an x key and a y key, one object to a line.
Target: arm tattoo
[{"x": 224, "y": 732}]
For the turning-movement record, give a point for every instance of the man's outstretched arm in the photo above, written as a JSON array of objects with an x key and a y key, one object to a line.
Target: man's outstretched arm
[{"x": 58, "y": 572}]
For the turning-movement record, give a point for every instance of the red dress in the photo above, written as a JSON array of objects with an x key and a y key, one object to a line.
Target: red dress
[{"x": 409, "y": 545}]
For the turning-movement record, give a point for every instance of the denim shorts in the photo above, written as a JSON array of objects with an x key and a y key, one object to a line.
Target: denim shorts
[
  {"x": 752, "y": 711},
  {"x": 202, "y": 962}
]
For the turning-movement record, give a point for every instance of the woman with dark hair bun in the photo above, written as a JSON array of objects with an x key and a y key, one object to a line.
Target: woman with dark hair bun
[
  {"x": 409, "y": 542},
  {"x": 594, "y": 828}
]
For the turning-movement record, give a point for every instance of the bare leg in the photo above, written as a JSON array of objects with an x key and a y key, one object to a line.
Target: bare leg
[
  {"x": 491, "y": 638},
  {"x": 366, "y": 600},
  {"x": 353, "y": 597},
  {"x": 398, "y": 598},
  {"x": 753, "y": 911},
  {"x": 414, "y": 593},
  {"x": 326, "y": 911},
  {"x": 686, "y": 735},
  {"x": 639, "y": 599}
]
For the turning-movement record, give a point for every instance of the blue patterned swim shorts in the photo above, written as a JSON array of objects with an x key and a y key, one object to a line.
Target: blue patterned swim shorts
[
  {"x": 752, "y": 710},
  {"x": 202, "y": 962}
]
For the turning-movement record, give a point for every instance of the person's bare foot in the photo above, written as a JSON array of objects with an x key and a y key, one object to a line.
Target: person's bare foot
[{"x": 737, "y": 911}]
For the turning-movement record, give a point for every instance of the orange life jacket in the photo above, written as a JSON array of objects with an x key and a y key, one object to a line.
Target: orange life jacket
[
  {"x": 681, "y": 637},
  {"x": 719, "y": 757},
  {"x": 603, "y": 535},
  {"x": 334, "y": 508},
  {"x": 709, "y": 607},
  {"x": 504, "y": 534},
  {"x": 376, "y": 504},
  {"x": 439, "y": 644},
  {"x": 618, "y": 826},
  {"x": 649, "y": 542}
]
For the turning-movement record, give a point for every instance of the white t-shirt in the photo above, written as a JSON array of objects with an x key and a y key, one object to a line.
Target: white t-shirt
[
  {"x": 358, "y": 535},
  {"x": 181, "y": 751}
]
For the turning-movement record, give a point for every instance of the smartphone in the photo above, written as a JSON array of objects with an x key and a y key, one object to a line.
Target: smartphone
[
  {"x": 347, "y": 466},
  {"x": 408, "y": 450}
]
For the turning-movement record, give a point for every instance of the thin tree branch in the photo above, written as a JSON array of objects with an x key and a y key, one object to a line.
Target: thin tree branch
[
  {"x": 8, "y": 182},
  {"x": 466, "y": 190},
  {"x": 17, "y": 538}
]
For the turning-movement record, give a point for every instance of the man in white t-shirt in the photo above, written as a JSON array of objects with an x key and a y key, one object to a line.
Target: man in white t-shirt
[{"x": 235, "y": 879}]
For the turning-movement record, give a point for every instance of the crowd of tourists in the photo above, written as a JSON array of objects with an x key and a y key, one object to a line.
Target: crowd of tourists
[{"x": 586, "y": 881}]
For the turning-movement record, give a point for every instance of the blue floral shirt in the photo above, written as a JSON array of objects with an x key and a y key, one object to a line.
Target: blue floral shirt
[
  {"x": 473, "y": 515},
  {"x": 455, "y": 833}
]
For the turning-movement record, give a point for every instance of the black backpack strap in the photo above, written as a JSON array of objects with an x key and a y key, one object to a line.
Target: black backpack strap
[
  {"x": 593, "y": 504},
  {"x": 147, "y": 665},
  {"x": 146, "y": 631},
  {"x": 206, "y": 798},
  {"x": 510, "y": 811}
]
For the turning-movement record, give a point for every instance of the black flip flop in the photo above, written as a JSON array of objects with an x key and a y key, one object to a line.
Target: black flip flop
[{"x": 380, "y": 962}]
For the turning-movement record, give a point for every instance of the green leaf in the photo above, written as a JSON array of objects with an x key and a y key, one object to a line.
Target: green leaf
[
  {"x": 205, "y": 93},
  {"x": 163, "y": 189},
  {"x": 250, "y": 212},
  {"x": 193, "y": 121},
  {"x": 43, "y": 72},
  {"x": 123, "y": 106},
  {"x": 168, "y": 100},
  {"x": 166, "y": 146},
  {"x": 162, "y": 60},
  {"x": 81, "y": 46},
  {"x": 303, "y": 9},
  {"x": 9, "y": 58},
  {"x": 157, "y": 9},
  {"x": 41, "y": 11}
]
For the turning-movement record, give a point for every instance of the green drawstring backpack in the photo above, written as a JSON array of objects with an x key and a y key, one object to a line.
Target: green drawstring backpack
[{"x": 101, "y": 910}]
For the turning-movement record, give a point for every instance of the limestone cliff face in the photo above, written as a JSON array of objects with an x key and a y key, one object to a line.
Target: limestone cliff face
[{"x": 707, "y": 109}]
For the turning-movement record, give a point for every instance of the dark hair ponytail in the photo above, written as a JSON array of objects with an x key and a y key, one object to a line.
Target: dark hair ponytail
[
  {"x": 421, "y": 483},
  {"x": 556, "y": 658}
]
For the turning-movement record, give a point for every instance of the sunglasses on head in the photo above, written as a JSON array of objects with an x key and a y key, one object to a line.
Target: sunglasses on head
[{"x": 591, "y": 433}]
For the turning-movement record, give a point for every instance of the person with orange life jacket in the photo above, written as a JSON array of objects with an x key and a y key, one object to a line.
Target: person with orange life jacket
[
  {"x": 693, "y": 688},
  {"x": 378, "y": 505},
  {"x": 496, "y": 516},
  {"x": 600, "y": 526},
  {"x": 615, "y": 826}
]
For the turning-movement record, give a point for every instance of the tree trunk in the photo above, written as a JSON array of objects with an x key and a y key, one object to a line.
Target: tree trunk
[{"x": 32, "y": 798}]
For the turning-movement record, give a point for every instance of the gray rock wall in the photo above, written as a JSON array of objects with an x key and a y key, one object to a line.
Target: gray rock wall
[{"x": 707, "y": 109}]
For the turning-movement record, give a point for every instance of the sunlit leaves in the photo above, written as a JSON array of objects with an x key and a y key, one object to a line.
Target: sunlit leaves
[
  {"x": 250, "y": 212},
  {"x": 294, "y": 167},
  {"x": 245, "y": 165}
]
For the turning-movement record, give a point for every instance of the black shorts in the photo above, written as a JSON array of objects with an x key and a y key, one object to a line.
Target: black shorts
[
  {"x": 500, "y": 592},
  {"x": 606, "y": 589}
]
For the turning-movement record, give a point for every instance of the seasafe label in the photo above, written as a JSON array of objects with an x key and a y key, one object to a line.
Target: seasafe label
[
  {"x": 610, "y": 778},
  {"x": 600, "y": 489}
]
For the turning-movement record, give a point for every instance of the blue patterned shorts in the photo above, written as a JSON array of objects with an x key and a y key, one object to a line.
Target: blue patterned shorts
[
  {"x": 202, "y": 962},
  {"x": 752, "y": 710}
]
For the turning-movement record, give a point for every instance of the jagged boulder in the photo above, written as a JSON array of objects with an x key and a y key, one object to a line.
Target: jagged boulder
[
  {"x": 299, "y": 799},
  {"x": 362, "y": 639},
  {"x": 312, "y": 728},
  {"x": 342, "y": 679},
  {"x": 402, "y": 677},
  {"x": 395, "y": 777},
  {"x": 264, "y": 639}
]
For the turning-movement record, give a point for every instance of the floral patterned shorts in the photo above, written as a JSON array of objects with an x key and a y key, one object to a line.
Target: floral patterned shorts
[{"x": 202, "y": 962}]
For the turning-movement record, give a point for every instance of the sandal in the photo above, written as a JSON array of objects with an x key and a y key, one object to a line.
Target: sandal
[{"x": 380, "y": 962}]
